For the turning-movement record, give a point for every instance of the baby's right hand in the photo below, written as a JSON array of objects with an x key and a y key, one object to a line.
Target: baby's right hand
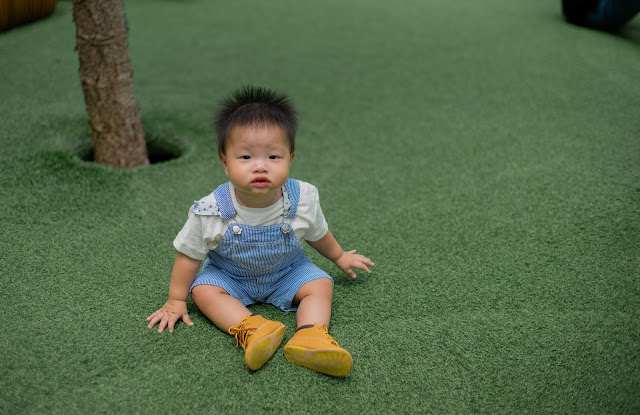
[{"x": 169, "y": 314}]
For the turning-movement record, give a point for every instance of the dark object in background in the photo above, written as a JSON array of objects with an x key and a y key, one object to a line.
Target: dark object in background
[
  {"x": 17, "y": 12},
  {"x": 600, "y": 14}
]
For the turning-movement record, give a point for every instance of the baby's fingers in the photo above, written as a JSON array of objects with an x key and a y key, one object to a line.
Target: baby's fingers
[
  {"x": 187, "y": 320},
  {"x": 163, "y": 323},
  {"x": 362, "y": 262},
  {"x": 154, "y": 318},
  {"x": 365, "y": 268},
  {"x": 362, "y": 267},
  {"x": 171, "y": 323},
  {"x": 351, "y": 273}
]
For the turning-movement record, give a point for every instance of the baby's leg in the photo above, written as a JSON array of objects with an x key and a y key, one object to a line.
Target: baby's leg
[
  {"x": 222, "y": 309},
  {"x": 259, "y": 337},
  {"x": 314, "y": 302},
  {"x": 312, "y": 346}
]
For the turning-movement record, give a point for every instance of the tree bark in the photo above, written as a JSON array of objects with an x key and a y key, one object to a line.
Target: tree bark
[{"x": 107, "y": 83}]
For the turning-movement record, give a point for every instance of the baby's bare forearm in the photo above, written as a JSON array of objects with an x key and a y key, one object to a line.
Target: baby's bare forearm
[
  {"x": 183, "y": 274},
  {"x": 328, "y": 247}
]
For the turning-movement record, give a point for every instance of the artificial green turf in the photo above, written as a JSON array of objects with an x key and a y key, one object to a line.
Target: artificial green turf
[{"x": 486, "y": 155}]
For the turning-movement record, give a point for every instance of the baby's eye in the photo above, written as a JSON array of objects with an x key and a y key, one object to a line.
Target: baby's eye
[
  {"x": 245, "y": 157},
  {"x": 273, "y": 157}
]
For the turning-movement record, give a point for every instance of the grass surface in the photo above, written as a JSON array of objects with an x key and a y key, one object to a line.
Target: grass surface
[{"x": 485, "y": 155}]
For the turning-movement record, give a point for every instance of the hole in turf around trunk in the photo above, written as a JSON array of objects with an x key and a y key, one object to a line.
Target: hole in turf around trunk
[{"x": 159, "y": 149}]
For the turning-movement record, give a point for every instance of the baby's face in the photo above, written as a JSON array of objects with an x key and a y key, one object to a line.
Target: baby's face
[{"x": 256, "y": 160}]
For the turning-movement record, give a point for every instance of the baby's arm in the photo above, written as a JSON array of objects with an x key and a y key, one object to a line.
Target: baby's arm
[
  {"x": 183, "y": 274},
  {"x": 329, "y": 247}
]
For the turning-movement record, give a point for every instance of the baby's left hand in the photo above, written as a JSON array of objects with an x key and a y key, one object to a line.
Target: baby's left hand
[{"x": 350, "y": 260}]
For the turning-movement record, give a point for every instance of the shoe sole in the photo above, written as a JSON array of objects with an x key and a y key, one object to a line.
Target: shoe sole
[
  {"x": 261, "y": 351},
  {"x": 328, "y": 361}
]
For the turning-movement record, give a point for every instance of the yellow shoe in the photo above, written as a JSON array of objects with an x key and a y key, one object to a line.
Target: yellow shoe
[
  {"x": 315, "y": 349},
  {"x": 259, "y": 337}
]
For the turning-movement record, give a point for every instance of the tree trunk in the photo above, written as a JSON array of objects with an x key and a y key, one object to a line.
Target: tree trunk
[{"x": 107, "y": 83}]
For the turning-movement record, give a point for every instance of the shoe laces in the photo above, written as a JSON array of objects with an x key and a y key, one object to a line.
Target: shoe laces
[
  {"x": 325, "y": 330},
  {"x": 241, "y": 332}
]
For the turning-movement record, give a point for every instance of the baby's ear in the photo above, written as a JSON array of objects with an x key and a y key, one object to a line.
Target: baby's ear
[
  {"x": 292, "y": 156},
  {"x": 223, "y": 160}
]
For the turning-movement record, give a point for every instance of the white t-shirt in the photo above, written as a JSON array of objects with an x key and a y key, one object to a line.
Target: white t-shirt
[{"x": 202, "y": 233}]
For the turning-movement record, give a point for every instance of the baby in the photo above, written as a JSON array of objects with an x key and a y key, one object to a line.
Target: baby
[{"x": 250, "y": 230}]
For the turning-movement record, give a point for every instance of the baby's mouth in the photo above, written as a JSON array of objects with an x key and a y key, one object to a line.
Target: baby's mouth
[{"x": 260, "y": 181}]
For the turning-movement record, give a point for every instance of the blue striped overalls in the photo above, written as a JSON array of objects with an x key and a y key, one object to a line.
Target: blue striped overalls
[{"x": 263, "y": 264}]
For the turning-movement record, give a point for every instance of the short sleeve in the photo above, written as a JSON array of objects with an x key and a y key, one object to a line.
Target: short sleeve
[
  {"x": 190, "y": 240},
  {"x": 309, "y": 209}
]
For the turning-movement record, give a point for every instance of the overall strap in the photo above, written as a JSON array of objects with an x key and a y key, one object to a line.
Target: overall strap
[
  {"x": 224, "y": 201},
  {"x": 291, "y": 196}
]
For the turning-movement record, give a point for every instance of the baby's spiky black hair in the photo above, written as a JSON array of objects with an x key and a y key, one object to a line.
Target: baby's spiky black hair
[{"x": 255, "y": 106}]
